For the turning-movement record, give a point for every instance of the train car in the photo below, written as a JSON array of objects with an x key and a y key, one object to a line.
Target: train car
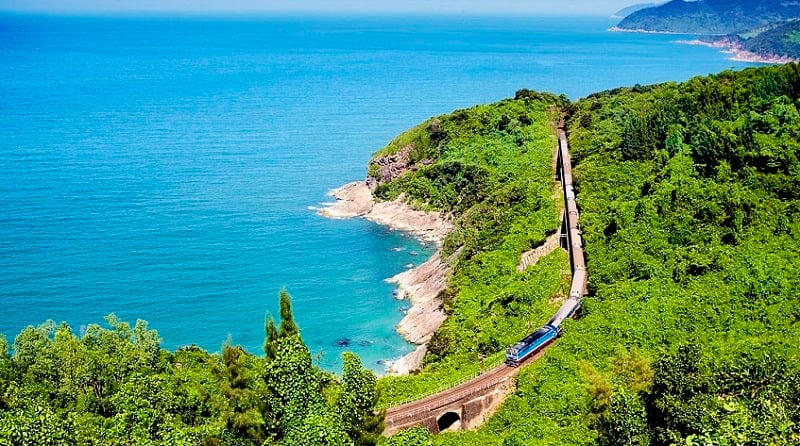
[
  {"x": 532, "y": 343},
  {"x": 576, "y": 250},
  {"x": 576, "y": 289},
  {"x": 567, "y": 310},
  {"x": 566, "y": 175},
  {"x": 566, "y": 166}
]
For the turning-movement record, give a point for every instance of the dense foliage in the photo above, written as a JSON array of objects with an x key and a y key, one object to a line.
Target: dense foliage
[
  {"x": 691, "y": 211},
  {"x": 781, "y": 40},
  {"x": 116, "y": 385},
  {"x": 491, "y": 167},
  {"x": 710, "y": 16},
  {"x": 690, "y": 201}
]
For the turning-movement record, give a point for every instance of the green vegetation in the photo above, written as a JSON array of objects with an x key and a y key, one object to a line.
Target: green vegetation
[
  {"x": 710, "y": 16},
  {"x": 690, "y": 198},
  {"x": 690, "y": 210},
  {"x": 782, "y": 40},
  {"x": 491, "y": 167},
  {"x": 116, "y": 386}
]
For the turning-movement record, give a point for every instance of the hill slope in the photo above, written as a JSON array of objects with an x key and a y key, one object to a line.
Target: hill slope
[
  {"x": 782, "y": 40},
  {"x": 690, "y": 197},
  {"x": 711, "y": 16}
]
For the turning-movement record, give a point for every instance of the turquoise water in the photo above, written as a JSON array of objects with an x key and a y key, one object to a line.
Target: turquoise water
[{"x": 169, "y": 169}]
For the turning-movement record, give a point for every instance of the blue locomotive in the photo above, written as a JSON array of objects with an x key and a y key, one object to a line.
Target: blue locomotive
[{"x": 532, "y": 343}]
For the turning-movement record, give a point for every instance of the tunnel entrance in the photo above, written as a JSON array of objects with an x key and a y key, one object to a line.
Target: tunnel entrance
[{"x": 449, "y": 421}]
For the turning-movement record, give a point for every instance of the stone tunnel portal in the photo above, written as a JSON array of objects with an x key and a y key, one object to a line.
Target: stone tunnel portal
[{"x": 449, "y": 421}]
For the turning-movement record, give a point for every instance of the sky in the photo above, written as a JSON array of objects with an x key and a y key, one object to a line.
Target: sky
[{"x": 584, "y": 7}]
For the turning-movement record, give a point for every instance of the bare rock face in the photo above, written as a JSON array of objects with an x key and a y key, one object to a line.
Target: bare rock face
[
  {"x": 428, "y": 226},
  {"x": 426, "y": 314},
  {"x": 393, "y": 166},
  {"x": 423, "y": 285},
  {"x": 409, "y": 363},
  {"x": 355, "y": 200},
  {"x": 352, "y": 200}
]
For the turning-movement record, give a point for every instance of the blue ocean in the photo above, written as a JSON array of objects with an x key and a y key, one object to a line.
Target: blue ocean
[{"x": 169, "y": 169}]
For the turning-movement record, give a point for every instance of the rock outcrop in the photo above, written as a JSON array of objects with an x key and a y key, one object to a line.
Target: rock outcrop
[
  {"x": 409, "y": 363},
  {"x": 393, "y": 166},
  {"x": 352, "y": 200},
  {"x": 423, "y": 285},
  {"x": 355, "y": 200}
]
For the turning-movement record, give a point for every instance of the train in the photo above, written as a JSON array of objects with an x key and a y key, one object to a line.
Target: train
[
  {"x": 539, "y": 339},
  {"x": 532, "y": 343}
]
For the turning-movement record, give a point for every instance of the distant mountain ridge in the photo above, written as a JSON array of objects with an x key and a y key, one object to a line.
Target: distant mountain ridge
[
  {"x": 625, "y": 12},
  {"x": 753, "y": 30},
  {"x": 710, "y": 17}
]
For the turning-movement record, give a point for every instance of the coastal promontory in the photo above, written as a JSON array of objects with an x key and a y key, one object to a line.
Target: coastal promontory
[{"x": 753, "y": 30}]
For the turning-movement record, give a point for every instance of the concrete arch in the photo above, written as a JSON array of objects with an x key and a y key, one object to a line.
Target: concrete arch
[{"x": 449, "y": 421}]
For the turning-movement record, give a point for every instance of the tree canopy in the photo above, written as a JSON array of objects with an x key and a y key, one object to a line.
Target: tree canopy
[{"x": 115, "y": 385}]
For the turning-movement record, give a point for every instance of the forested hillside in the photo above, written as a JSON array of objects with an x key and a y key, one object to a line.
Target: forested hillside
[
  {"x": 711, "y": 16},
  {"x": 690, "y": 197},
  {"x": 782, "y": 40},
  {"x": 691, "y": 210}
]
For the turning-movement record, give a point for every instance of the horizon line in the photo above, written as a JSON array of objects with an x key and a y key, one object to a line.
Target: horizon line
[{"x": 86, "y": 13}]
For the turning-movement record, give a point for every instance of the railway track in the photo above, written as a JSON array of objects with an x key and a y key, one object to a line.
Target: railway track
[{"x": 415, "y": 412}]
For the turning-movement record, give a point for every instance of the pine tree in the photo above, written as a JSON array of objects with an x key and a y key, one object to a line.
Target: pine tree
[
  {"x": 288, "y": 326},
  {"x": 272, "y": 336}
]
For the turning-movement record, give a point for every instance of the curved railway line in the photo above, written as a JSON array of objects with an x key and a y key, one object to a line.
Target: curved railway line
[{"x": 422, "y": 411}]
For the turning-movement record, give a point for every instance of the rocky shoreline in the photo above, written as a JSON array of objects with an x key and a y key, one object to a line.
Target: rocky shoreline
[
  {"x": 355, "y": 200},
  {"x": 647, "y": 31},
  {"x": 423, "y": 284},
  {"x": 740, "y": 54}
]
